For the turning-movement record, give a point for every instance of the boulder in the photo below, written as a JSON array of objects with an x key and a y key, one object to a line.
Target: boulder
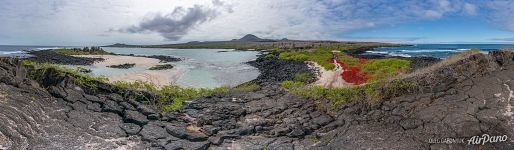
[{"x": 135, "y": 117}]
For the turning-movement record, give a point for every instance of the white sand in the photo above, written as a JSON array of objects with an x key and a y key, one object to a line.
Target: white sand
[
  {"x": 329, "y": 78},
  {"x": 157, "y": 77}
]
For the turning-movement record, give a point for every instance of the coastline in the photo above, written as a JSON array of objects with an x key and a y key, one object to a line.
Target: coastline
[{"x": 157, "y": 77}]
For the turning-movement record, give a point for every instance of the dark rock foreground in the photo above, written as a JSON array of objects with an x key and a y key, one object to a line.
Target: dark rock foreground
[
  {"x": 44, "y": 56},
  {"x": 460, "y": 99}
]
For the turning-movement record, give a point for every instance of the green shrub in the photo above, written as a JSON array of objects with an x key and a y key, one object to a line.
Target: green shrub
[
  {"x": 38, "y": 70},
  {"x": 336, "y": 96},
  {"x": 321, "y": 58},
  {"x": 170, "y": 97},
  {"x": 83, "y": 51},
  {"x": 348, "y": 60},
  {"x": 304, "y": 77},
  {"x": 270, "y": 56},
  {"x": 385, "y": 68},
  {"x": 297, "y": 56},
  {"x": 246, "y": 87},
  {"x": 292, "y": 85},
  {"x": 84, "y": 70}
]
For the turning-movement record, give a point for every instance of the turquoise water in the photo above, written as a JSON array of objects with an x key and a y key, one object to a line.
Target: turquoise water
[
  {"x": 206, "y": 68},
  {"x": 436, "y": 50}
]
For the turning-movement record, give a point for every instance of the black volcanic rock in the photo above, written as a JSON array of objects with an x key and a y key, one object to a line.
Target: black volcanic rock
[
  {"x": 460, "y": 98},
  {"x": 53, "y": 57}
]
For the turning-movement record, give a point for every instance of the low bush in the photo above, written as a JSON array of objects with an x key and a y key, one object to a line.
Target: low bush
[
  {"x": 38, "y": 70},
  {"x": 375, "y": 69},
  {"x": 321, "y": 58},
  {"x": 385, "y": 68},
  {"x": 294, "y": 56},
  {"x": 161, "y": 67},
  {"x": 304, "y": 77},
  {"x": 84, "y": 70},
  {"x": 122, "y": 66},
  {"x": 246, "y": 87},
  {"x": 270, "y": 56},
  {"x": 83, "y": 51},
  {"x": 337, "y": 96},
  {"x": 170, "y": 97}
]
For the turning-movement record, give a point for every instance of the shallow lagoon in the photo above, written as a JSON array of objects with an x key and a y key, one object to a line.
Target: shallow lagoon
[{"x": 205, "y": 68}]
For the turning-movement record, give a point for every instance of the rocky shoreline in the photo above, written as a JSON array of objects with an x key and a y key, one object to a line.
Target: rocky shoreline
[
  {"x": 49, "y": 56},
  {"x": 416, "y": 62},
  {"x": 458, "y": 99},
  {"x": 162, "y": 58}
]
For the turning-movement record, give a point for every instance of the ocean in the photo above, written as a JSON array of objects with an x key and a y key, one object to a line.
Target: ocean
[
  {"x": 19, "y": 50},
  {"x": 208, "y": 68},
  {"x": 436, "y": 50}
]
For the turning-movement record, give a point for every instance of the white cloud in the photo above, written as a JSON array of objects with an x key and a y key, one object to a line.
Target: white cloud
[
  {"x": 87, "y": 21},
  {"x": 501, "y": 13},
  {"x": 470, "y": 9}
]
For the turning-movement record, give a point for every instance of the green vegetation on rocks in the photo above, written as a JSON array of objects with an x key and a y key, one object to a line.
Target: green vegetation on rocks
[
  {"x": 170, "y": 97},
  {"x": 122, "y": 66},
  {"x": 336, "y": 96},
  {"x": 385, "y": 68},
  {"x": 82, "y": 51},
  {"x": 304, "y": 77},
  {"x": 38, "y": 70},
  {"x": 161, "y": 67},
  {"x": 375, "y": 69},
  {"x": 246, "y": 87},
  {"x": 84, "y": 70}
]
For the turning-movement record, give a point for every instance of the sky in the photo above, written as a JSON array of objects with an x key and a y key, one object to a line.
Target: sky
[{"x": 103, "y": 22}]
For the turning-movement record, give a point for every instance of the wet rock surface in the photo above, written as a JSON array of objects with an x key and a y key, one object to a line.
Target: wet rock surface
[
  {"x": 162, "y": 58},
  {"x": 53, "y": 57},
  {"x": 460, "y": 99}
]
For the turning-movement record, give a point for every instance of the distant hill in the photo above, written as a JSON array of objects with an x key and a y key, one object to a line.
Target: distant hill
[
  {"x": 250, "y": 42},
  {"x": 250, "y": 38}
]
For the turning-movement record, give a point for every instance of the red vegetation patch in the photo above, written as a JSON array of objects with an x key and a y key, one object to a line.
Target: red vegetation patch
[{"x": 353, "y": 75}]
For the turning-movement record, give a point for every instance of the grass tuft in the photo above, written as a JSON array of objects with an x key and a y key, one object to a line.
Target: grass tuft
[
  {"x": 336, "y": 96},
  {"x": 170, "y": 97},
  {"x": 246, "y": 87},
  {"x": 37, "y": 70},
  {"x": 83, "y": 51}
]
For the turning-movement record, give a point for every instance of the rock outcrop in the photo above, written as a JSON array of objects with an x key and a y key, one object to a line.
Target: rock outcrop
[
  {"x": 49, "y": 56},
  {"x": 456, "y": 99}
]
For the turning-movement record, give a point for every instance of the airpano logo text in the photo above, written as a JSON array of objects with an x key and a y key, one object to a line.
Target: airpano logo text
[
  {"x": 475, "y": 140},
  {"x": 481, "y": 140}
]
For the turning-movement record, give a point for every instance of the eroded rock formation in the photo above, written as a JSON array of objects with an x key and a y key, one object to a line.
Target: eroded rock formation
[{"x": 462, "y": 98}]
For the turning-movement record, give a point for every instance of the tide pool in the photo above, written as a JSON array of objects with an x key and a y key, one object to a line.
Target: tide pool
[{"x": 201, "y": 68}]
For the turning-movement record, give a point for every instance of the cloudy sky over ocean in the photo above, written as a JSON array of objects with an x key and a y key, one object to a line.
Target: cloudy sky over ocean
[{"x": 98, "y": 22}]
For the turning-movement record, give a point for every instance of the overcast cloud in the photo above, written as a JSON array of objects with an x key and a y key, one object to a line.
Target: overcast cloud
[
  {"x": 176, "y": 24},
  {"x": 84, "y": 22}
]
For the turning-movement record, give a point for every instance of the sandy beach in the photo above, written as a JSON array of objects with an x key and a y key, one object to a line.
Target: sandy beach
[
  {"x": 157, "y": 77},
  {"x": 328, "y": 78}
]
